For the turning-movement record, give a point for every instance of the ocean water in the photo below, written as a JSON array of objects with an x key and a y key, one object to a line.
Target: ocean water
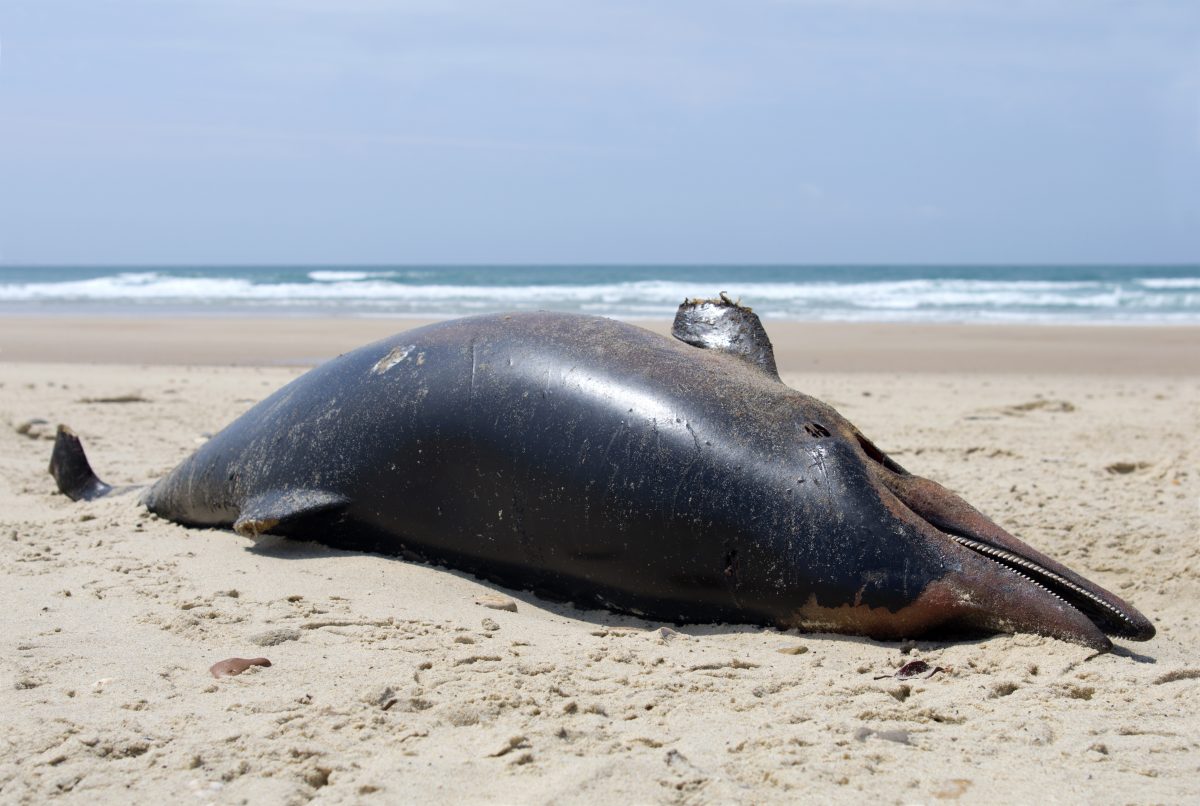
[{"x": 1132, "y": 294}]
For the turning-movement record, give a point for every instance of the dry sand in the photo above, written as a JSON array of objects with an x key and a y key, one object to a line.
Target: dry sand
[{"x": 390, "y": 683}]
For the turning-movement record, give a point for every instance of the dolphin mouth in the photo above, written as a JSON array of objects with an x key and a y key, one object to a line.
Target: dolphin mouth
[{"x": 1107, "y": 615}]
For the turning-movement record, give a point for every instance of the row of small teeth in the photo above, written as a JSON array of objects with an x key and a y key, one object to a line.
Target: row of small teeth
[
  {"x": 1009, "y": 557},
  {"x": 989, "y": 552}
]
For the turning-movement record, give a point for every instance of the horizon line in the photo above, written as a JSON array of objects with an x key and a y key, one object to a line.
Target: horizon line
[{"x": 615, "y": 265}]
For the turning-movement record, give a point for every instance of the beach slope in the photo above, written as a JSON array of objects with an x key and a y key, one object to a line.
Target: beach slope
[{"x": 396, "y": 681}]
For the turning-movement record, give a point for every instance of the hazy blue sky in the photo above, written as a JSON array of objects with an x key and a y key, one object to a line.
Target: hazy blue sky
[{"x": 313, "y": 131}]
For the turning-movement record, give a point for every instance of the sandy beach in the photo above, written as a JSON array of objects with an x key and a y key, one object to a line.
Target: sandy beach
[{"x": 391, "y": 682}]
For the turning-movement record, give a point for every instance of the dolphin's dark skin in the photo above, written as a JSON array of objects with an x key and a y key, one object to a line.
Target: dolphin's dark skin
[{"x": 591, "y": 460}]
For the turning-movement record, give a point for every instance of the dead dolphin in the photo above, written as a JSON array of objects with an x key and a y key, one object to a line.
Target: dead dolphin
[{"x": 591, "y": 460}]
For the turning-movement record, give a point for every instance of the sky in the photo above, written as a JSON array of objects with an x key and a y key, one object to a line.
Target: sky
[{"x": 551, "y": 131}]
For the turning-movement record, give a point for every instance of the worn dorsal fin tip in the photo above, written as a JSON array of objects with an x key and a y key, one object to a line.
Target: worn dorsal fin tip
[
  {"x": 725, "y": 326},
  {"x": 722, "y": 300}
]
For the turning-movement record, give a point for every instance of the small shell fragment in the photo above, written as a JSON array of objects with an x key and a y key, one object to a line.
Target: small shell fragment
[
  {"x": 914, "y": 669},
  {"x": 497, "y": 603},
  {"x": 235, "y": 666}
]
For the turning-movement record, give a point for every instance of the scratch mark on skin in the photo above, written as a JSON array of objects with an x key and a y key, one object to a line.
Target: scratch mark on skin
[
  {"x": 612, "y": 441},
  {"x": 695, "y": 438},
  {"x": 683, "y": 476},
  {"x": 819, "y": 463},
  {"x": 473, "y": 367},
  {"x": 394, "y": 357},
  {"x": 818, "y": 455}
]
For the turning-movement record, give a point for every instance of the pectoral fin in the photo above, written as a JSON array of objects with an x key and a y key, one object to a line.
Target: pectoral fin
[
  {"x": 287, "y": 512},
  {"x": 725, "y": 325}
]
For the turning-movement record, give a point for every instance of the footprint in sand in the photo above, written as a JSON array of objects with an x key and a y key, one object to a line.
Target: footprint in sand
[
  {"x": 1053, "y": 406},
  {"x": 1124, "y": 468}
]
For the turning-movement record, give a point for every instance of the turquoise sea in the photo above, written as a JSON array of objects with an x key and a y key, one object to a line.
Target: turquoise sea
[{"x": 1124, "y": 294}]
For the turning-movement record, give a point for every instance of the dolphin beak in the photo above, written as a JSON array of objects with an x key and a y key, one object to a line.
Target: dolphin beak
[{"x": 999, "y": 583}]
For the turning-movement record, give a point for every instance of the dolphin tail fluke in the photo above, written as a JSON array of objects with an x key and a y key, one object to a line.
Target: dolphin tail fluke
[{"x": 71, "y": 470}]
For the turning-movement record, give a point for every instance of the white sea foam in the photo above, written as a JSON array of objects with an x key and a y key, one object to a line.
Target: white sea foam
[
  {"x": 1170, "y": 282},
  {"x": 330, "y": 276}
]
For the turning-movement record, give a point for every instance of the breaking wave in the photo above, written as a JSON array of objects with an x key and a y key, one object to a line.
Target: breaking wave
[{"x": 776, "y": 292}]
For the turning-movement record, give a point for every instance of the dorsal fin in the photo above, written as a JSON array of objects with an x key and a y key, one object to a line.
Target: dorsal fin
[
  {"x": 281, "y": 512},
  {"x": 722, "y": 324}
]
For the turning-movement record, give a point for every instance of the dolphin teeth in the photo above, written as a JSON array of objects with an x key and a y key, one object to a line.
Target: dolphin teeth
[{"x": 1017, "y": 563}]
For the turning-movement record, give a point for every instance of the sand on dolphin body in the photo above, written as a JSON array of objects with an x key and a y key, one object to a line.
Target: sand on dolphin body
[{"x": 391, "y": 680}]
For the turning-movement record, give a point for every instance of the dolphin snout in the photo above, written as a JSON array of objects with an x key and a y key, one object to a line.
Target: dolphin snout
[{"x": 999, "y": 582}]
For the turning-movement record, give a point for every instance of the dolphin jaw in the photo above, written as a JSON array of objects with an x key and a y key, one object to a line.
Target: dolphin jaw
[{"x": 1101, "y": 611}]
